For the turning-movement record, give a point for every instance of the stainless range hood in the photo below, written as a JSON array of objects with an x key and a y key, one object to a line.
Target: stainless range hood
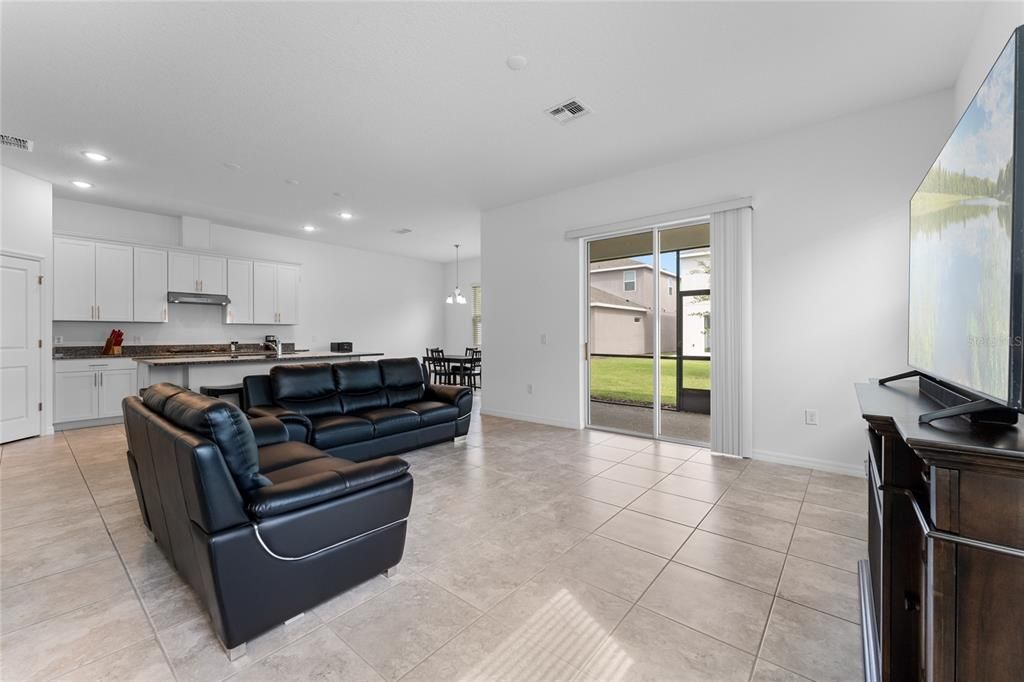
[{"x": 196, "y": 298}]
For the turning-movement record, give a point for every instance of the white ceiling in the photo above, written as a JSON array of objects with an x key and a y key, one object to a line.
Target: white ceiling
[{"x": 408, "y": 110}]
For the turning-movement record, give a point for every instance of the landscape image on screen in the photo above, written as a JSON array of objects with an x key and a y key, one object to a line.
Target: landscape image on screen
[{"x": 960, "y": 246}]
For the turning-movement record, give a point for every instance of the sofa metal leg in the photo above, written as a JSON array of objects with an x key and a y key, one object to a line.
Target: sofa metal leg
[
  {"x": 459, "y": 440},
  {"x": 237, "y": 652},
  {"x": 294, "y": 618},
  {"x": 391, "y": 572}
]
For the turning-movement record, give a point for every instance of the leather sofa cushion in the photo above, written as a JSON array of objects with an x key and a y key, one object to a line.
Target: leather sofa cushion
[
  {"x": 334, "y": 430},
  {"x": 360, "y": 386},
  {"x": 390, "y": 420},
  {"x": 220, "y": 422},
  {"x": 306, "y": 389},
  {"x": 403, "y": 380},
  {"x": 156, "y": 396},
  {"x": 432, "y": 412},
  {"x": 281, "y": 455}
]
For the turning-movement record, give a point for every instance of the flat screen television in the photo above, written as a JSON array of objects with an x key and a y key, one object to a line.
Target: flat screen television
[{"x": 966, "y": 300}]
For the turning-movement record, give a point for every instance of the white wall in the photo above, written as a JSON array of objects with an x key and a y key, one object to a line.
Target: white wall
[
  {"x": 998, "y": 22},
  {"x": 380, "y": 302},
  {"x": 26, "y": 228},
  {"x": 830, "y": 273},
  {"x": 458, "y": 319}
]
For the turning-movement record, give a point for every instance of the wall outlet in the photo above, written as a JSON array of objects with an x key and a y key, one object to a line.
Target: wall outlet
[
  {"x": 529, "y": 389},
  {"x": 136, "y": 339},
  {"x": 57, "y": 340},
  {"x": 543, "y": 339},
  {"x": 811, "y": 417}
]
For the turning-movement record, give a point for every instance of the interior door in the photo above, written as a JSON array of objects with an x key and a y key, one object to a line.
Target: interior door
[
  {"x": 114, "y": 267},
  {"x": 287, "y": 294},
  {"x": 74, "y": 279},
  {"x": 150, "y": 296},
  {"x": 20, "y": 351}
]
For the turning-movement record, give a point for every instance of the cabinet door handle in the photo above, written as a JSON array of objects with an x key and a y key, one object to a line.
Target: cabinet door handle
[
  {"x": 99, "y": 315},
  {"x": 94, "y": 378},
  {"x": 101, "y": 378},
  {"x": 200, "y": 285},
  {"x": 92, "y": 312},
  {"x": 165, "y": 313}
]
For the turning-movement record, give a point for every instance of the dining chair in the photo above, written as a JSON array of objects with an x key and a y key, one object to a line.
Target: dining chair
[
  {"x": 441, "y": 371},
  {"x": 473, "y": 372}
]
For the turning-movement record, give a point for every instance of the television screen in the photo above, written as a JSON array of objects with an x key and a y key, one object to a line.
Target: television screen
[{"x": 962, "y": 324}]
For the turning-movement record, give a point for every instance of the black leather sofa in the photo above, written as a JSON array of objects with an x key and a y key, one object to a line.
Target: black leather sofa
[
  {"x": 262, "y": 527},
  {"x": 360, "y": 410}
]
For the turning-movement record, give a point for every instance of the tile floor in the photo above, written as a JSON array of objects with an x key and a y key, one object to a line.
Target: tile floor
[{"x": 533, "y": 553}]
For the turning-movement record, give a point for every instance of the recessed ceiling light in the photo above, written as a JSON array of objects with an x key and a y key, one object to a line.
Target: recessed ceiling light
[
  {"x": 292, "y": 182},
  {"x": 82, "y": 184},
  {"x": 309, "y": 228},
  {"x": 231, "y": 166},
  {"x": 516, "y": 62},
  {"x": 345, "y": 215},
  {"x": 95, "y": 156}
]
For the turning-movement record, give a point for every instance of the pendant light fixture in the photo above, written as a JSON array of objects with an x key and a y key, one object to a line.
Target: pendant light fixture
[{"x": 456, "y": 296}]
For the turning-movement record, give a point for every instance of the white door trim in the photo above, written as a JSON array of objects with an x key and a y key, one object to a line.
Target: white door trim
[{"x": 43, "y": 393}]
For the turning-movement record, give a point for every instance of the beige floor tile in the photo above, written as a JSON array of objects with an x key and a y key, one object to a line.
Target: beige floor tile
[
  {"x": 55, "y": 557},
  {"x": 398, "y": 629},
  {"x": 647, "y": 646},
  {"x": 67, "y": 489},
  {"x": 671, "y": 507},
  {"x": 609, "y": 491},
  {"x": 61, "y": 593},
  {"x": 757, "y": 530},
  {"x": 633, "y": 475},
  {"x": 773, "y": 484},
  {"x": 607, "y": 452},
  {"x": 631, "y": 443},
  {"x": 645, "y": 532},
  {"x": 769, "y": 672},
  {"x": 572, "y": 617},
  {"x": 51, "y": 510},
  {"x": 850, "y": 524},
  {"x": 837, "y": 499},
  {"x": 578, "y": 512},
  {"x": 33, "y": 536},
  {"x": 348, "y": 600},
  {"x": 821, "y": 587},
  {"x": 741, "y": 562},
  {"x": 320, "y": 655},
  {"x": 59, "y": 645},
  {"x": 705, "y": 491},
  {"x": 813, "y": 644},
  {"x": 142, "y": 661},
  {"x": 761, "y": 466},
  {"x": 719, "y": 460},
  {"x": 654, "y": 462},
  {"x": 850, "y": 484},
  {"x": 673, "y": 450},
  {"x": 725, "y": 610},
  {"x": 764, "y": 504},
  {"x": 169, "y": 601},
  {"x": 707, "y": 472},
  {"x": 487, "y": 650},
  {"x": 835, "y": 550},
  {"x": 586, "y": 465},
  {"x": 609, "y": 565}
]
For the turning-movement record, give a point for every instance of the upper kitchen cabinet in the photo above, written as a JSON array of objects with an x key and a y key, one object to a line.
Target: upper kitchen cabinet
[
  {"x": 275, "y": 293},
  {"x": 150, "y": 285},
  {"x": 92, "y": 280},
  {"x": 239, "y": 311},
  {"x": 192, "y": 272}
]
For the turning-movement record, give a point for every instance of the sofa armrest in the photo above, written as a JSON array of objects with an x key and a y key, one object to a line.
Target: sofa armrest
[
  {"x": 299, "y": 427},
  {"x": 268, "y": 431},
  {"x": 287, "y": 496},
  {"x": 460, "y": 396}
]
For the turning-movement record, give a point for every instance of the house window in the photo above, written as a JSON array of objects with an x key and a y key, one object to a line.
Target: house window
[
  {"x": 477, "y": 315},
  {"x": 629, "y": 280},
  {"x": 669, "y": 289}
]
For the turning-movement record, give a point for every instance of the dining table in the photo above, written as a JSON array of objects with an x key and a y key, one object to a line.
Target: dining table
[{"x": 460, "y": 361}]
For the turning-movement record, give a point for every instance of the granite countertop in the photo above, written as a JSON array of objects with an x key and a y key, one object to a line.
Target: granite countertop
[{"x": 215, "y": 359}]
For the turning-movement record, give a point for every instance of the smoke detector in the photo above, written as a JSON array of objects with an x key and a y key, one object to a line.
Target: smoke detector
[
  {"x": 569, "y": 110},
  {"x": 16, "y": 142}
]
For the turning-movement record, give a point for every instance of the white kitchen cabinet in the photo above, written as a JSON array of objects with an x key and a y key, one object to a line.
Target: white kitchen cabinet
[
  {"x": 150, "y": 297},
  {"x": 76, "y": 396},
  {"x": 91, "y": 388},
  {"x": 213, "y": 275},
  {"x": 74, "y": 279},
  {"x": 275, "y": 293},
  {"x": 114, "y": 282},
  {"x": 192, "y": 272},
  {"x": 240, "y": 291}
]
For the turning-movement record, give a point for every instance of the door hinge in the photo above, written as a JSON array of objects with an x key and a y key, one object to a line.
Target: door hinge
[
  {"x": 40, "y": 279},
  {"x": 40, "y": 407},
  {"x": 40, "y": 343}
]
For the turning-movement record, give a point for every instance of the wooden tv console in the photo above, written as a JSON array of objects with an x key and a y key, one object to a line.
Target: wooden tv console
[{"x": 942, "y": 592}]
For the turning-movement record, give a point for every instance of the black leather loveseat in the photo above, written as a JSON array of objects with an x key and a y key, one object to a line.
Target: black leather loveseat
[
  {"x": 261, "y": 527},
  {"x": 361, "y": 410}
]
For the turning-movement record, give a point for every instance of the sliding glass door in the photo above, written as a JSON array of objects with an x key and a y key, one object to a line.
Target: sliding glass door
[{"x": 649, "y": 296}]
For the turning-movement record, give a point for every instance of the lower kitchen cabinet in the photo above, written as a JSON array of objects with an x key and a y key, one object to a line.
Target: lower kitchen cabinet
[{"x": 91, "y": 389}]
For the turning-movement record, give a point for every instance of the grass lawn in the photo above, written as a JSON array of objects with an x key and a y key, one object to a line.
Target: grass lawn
[{"x": 630, "y": 378}]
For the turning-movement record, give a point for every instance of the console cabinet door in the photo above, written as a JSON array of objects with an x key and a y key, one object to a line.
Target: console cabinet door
[
  {"x": 114, "y": 269},
  {"x": 75, "y": 395},
  {"x": 74, "y": 279},
  {"x": 114, "y": 385},
  {"x": 287, "y": 294},
  {"x": 182, "y": 272},
  {"x": 239, "y": 311},
  {"x": 264, "y": 293},
  {"x": 213, "y": 275},
  {"x": 150, "y": 298}
]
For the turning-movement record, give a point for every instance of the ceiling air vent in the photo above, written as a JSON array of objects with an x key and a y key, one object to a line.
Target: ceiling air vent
[
  {"x": 402, "y": 230},
  {"x": 568, "y": 111},
  {"x": 16, "y": 142}
]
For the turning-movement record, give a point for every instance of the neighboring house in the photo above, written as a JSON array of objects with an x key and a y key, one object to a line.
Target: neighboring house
[{"x": 622, "y": 302}]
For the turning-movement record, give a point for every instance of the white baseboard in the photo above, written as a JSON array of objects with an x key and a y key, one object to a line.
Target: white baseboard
[
  {"x": 528, "y": 418},
  {"x": 811, "y": 463}
]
